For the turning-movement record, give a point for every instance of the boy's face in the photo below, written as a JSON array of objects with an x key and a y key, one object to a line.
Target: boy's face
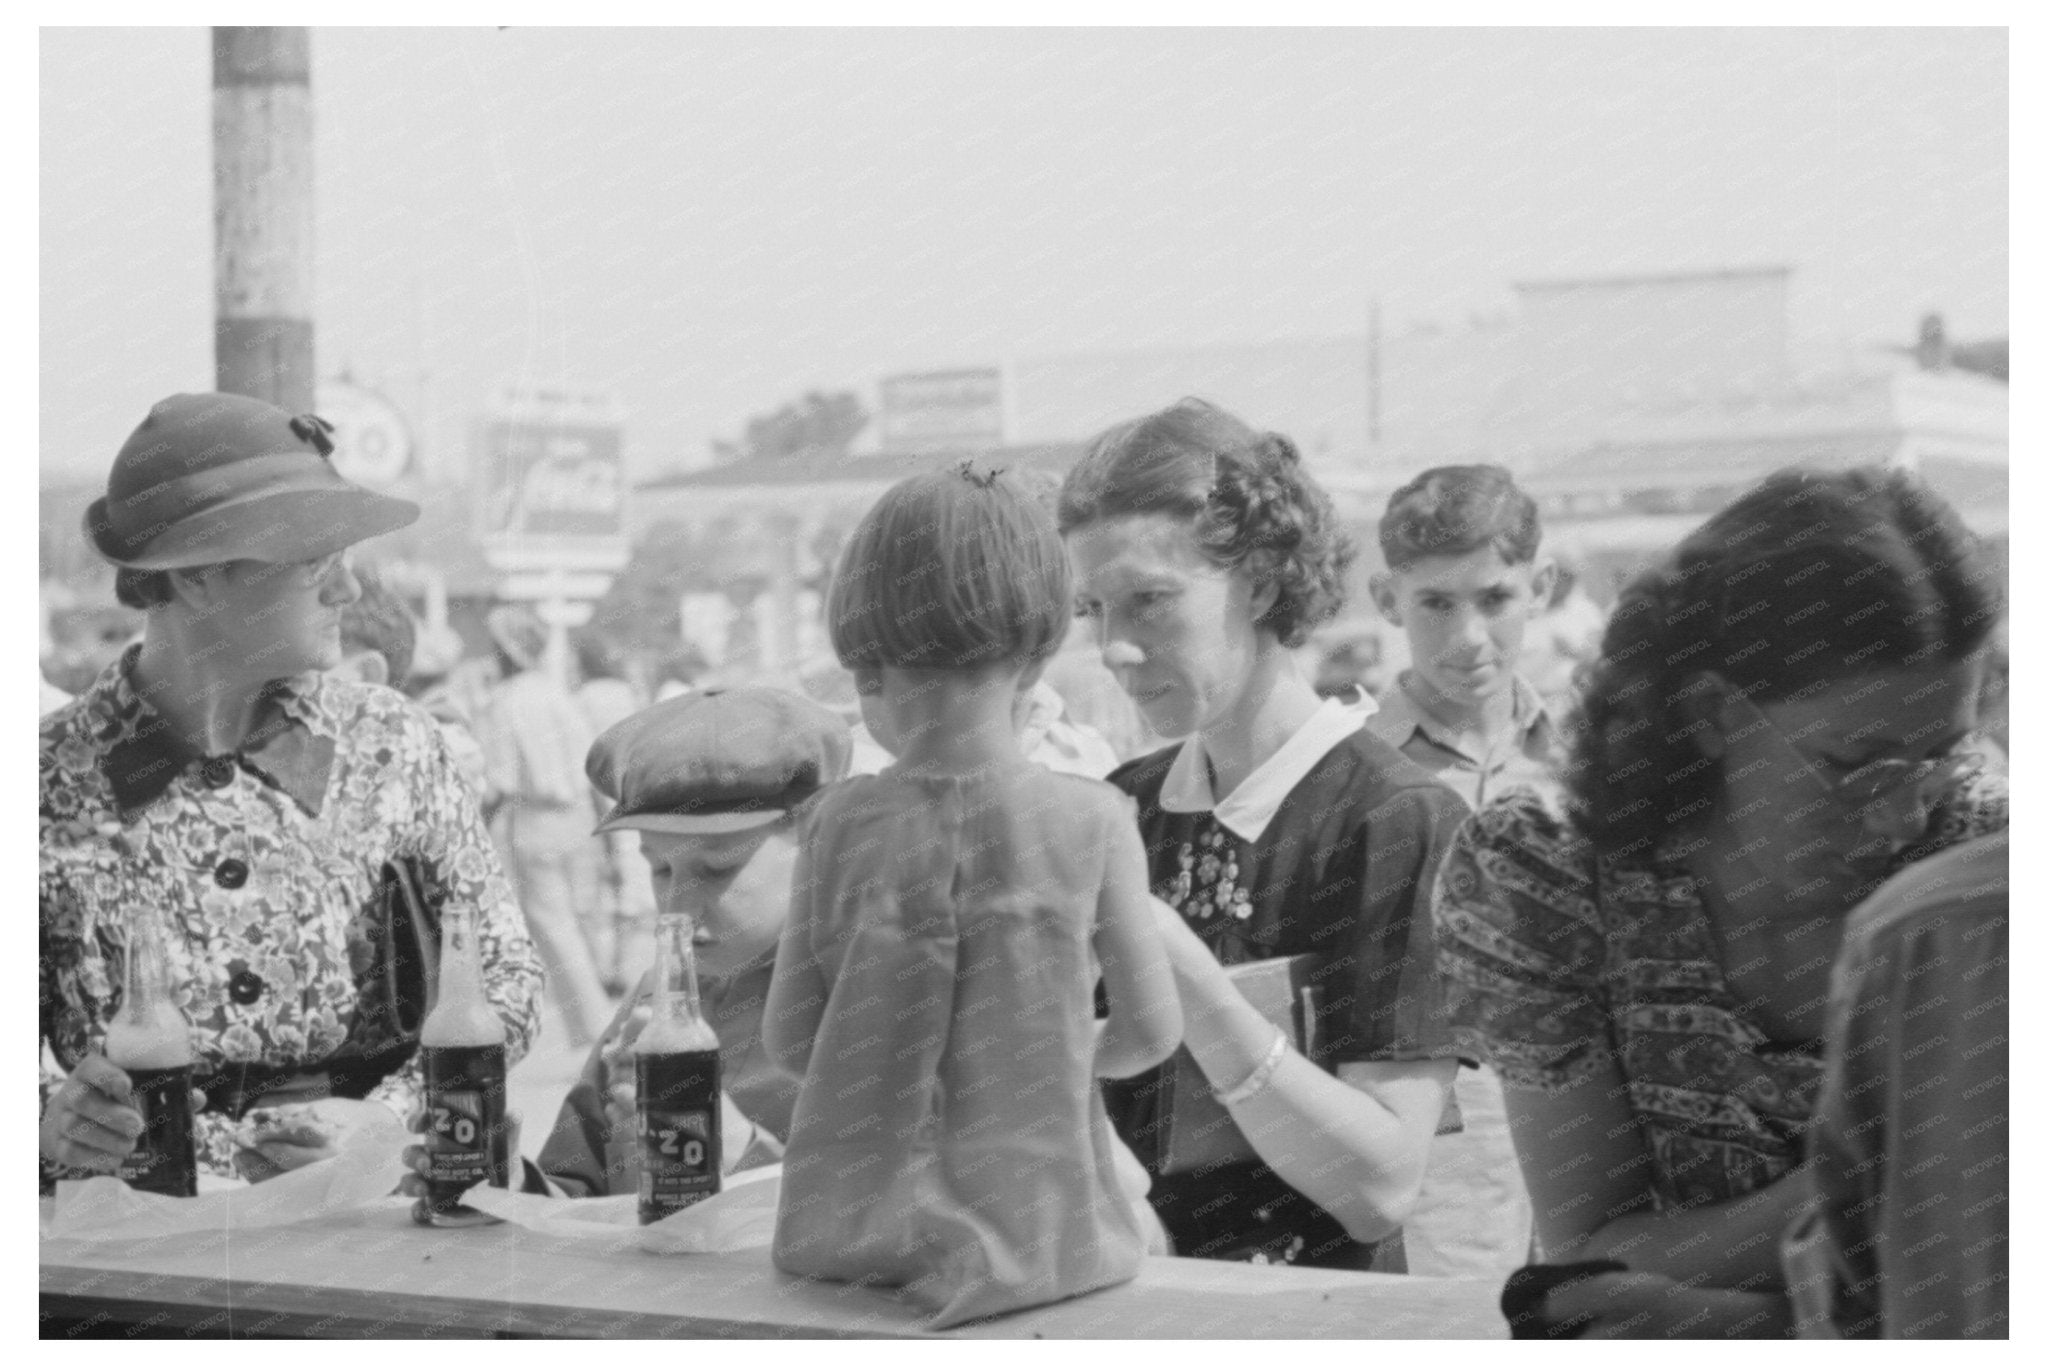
[
  {"x": 1464, "y": 616},
  {"x": 736, "y": 885}
]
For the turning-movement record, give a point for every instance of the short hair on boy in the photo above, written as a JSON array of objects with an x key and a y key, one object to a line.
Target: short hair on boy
[
  {"x": 379, "y": 620},
  {"x": 1455, "y": 510},
  {"x": 949, "y": 571}
]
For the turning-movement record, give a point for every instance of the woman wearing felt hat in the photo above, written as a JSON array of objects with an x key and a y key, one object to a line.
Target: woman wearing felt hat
[{"x": 216, "y": 779}]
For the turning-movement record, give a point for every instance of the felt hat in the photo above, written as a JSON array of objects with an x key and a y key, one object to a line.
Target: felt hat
[
  {"x": 209, "y": 478},
  {"x": 710, "y": 762}
]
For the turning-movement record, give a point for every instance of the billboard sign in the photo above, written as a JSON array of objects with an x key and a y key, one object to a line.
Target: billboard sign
[
  {"x": 551, "y": 476},
  {"x": 945, "y": 410},
  {"x": 551, "y": 504}
]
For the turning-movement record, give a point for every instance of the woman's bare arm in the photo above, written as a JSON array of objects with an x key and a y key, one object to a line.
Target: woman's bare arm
[
  {"x": 1586, "y": 1164},
  {"x": 1355, "y": 1143},
  {"x": 1144, "y": 1025},
  {"x": 797, "y": 987}
]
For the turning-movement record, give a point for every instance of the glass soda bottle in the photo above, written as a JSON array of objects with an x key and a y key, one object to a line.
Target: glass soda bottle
[
  {"x": 462, "y": 1048},
  {"x": 151, "y": 1041},
  {"x": 676, "y": 1082}
]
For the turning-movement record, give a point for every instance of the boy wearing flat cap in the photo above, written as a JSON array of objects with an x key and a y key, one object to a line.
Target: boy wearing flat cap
[
  {"x": 215, "y": 780},
  {"x": 712, "y": 783}
]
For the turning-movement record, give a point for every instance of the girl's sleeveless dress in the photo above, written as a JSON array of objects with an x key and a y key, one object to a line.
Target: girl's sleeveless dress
[{"x": 950, "y": 1136}]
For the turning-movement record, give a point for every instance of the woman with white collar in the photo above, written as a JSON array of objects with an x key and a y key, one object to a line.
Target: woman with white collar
[{"x": 1205, "y": 553}]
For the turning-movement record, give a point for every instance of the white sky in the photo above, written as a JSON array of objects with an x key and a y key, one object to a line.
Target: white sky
[{"x": 707, "y": 223}]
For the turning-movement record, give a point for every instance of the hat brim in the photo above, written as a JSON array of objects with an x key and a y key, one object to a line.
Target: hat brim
[
  {"x": 281, "y": 528},
  {"x": 669, "y": 823}
]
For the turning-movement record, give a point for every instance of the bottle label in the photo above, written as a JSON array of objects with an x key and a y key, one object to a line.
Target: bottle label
[
  {"x": 465, "y": 1137},
  {"x": 680, "y": 1152},
  {"x": 165, "y": 1160}
]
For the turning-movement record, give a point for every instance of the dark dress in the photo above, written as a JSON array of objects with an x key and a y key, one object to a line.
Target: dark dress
[{"x": 1344, "y": 869}]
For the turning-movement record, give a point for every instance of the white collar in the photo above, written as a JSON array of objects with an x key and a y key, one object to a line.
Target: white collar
[{"x": 1250, "y": 807}]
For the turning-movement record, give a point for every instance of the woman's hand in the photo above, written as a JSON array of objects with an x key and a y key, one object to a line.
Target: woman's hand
[
  {"x": 414, "y": 1158},
  {"x": 1226, "y": 1035},
  {"x": 615, "y": 1049},
  {"x": 89, "y": 1123},
  {"x": 1355, "y": 1143},
  {"x": 311, "y": 1133},
  {"x": 1201, "y": 979}
]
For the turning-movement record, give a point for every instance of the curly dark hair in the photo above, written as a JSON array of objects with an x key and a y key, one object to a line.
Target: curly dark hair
[
  {"x": 1248, "y": 500},
  {"x": 1456, "y": 510},
  {"x": 1806, "y": 581}
]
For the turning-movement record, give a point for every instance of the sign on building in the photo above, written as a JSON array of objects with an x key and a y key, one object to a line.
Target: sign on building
[
  {"x": 372, "y": 441},
  {"x": 943, "y": 410},
  {"x": 552, "y": 471},
  {"x": 551, "y": 499}
]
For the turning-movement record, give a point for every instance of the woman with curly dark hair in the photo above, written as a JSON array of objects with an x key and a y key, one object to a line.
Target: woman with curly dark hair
[
  {"x": 1279, "y": 826},
  {"x": 1781, "y": 716}
]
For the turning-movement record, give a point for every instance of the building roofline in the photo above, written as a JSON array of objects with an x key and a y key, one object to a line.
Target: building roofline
[
  {"x": 880, "y": 468},
  {"x": 1669, "y": 277}
]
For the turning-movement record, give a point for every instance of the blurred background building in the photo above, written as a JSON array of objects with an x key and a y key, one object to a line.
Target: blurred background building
[{"x": 1630, "y": 406}]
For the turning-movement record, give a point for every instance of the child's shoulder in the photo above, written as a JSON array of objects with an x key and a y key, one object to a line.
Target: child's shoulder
[
  {"x": 850, "y": 795},
  {"x": 1071, "y": 811},
  {"x": 1073, "y": 789}
]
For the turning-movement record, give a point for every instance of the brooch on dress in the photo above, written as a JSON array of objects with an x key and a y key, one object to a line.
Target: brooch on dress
[{"x": 1215, "y": 867}]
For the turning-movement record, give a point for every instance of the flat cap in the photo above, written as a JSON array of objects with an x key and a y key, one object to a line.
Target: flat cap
[{"x": 714, "y": 761}]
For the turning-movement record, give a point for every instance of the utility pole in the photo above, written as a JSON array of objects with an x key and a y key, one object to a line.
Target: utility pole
[
  {"x": 1372, "y": 375},
  {"x": 263, "y": 215}
]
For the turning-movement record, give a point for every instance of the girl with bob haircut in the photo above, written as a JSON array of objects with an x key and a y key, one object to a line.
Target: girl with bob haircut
[
  {"x": 950, "y": 571},
  {"x": 1781, "y": 717},
  {"x": 1205, "y": 554},
  {"x": 935, "y": 982}
]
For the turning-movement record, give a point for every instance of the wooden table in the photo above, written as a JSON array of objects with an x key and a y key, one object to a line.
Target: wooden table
[{"x": 373, "y": 1273}]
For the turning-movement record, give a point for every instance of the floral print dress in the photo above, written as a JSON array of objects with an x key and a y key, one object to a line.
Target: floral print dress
[{"x": 265, "y": 868}]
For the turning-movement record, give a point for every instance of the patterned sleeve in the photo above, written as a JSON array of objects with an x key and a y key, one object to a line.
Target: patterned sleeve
[
  {"x": 1519, "y": 944},
  {"x": 462, "y": 863},
  {"x": 49, "y": 1075},
  {"x": 1980, "y": 805}
]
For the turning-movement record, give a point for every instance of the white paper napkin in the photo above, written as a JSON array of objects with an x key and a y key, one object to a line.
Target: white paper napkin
[
  {"x": 740, "y": 1216},
  {"x": 363, "y": 1171}
]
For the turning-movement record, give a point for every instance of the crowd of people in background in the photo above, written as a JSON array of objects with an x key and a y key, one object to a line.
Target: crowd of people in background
[{"x": 1627, "y": 916}]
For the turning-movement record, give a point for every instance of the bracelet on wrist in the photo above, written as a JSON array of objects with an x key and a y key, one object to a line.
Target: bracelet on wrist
[{"x": 1261, "y": 1076}]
